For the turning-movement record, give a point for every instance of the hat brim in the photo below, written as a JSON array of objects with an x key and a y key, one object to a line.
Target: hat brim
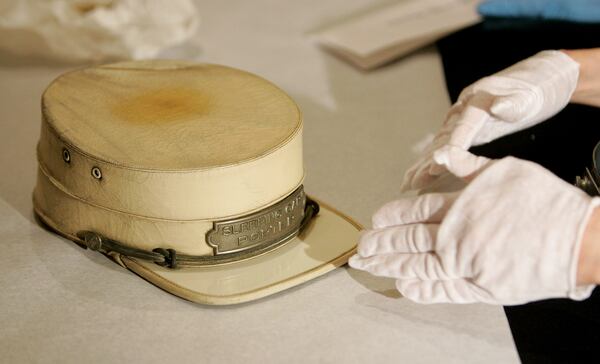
[{"x": 329, "y": 240}]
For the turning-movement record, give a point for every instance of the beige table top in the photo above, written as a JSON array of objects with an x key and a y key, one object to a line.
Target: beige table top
[{"x": 63, "y": 304}]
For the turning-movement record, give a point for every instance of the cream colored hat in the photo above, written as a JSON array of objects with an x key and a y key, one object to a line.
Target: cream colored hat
[{"x": 189, "y": 175}]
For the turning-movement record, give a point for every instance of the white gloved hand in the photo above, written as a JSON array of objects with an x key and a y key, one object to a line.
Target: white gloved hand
[
  {"x": 516, "y": 98},
  {"x": 511, "y": 236}
]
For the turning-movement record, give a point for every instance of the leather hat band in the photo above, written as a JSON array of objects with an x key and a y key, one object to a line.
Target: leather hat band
[{"x": 232, "y": 240}]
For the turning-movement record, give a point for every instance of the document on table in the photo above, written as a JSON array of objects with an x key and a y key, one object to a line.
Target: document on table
[{"x": 384, "y": 34}]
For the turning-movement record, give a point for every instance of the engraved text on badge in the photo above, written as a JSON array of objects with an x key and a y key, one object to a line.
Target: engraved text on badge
[{"x": 268, "y": 226}]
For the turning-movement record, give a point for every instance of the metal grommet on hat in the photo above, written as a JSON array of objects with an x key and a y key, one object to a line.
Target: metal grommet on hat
[
  {"x": 205, "y": 197},
  {"x": 96, "y": 173},
  {"x": 66, "y": 155}
]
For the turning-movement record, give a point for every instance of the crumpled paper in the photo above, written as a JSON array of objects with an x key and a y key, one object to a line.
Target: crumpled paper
[{"x": 95, "y": 30}]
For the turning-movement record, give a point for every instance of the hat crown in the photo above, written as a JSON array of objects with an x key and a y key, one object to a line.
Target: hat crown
[{"x": 170, "y": 115}]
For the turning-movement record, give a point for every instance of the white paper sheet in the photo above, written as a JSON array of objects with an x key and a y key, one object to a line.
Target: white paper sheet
[{"x": 380, "y": 36}]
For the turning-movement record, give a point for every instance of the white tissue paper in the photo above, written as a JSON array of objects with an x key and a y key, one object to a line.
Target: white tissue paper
[{"x": 94, "y": 30}]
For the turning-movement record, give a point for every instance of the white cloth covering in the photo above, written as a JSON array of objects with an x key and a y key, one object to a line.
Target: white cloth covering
[{"x": 95, "y": 30}]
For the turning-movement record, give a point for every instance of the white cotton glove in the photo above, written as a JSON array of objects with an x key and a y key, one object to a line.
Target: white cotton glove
[
  {"x": 511, "y": 236},
  {"x": 516, "y": 98}
]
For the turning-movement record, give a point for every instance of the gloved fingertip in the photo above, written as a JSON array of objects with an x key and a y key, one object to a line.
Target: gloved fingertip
[
  {"x": 436, "y": 169},
  {"x": 500, "y": 106},
  {"x": 459, "y": 162},
  {"x": 355, "y": 261},
  {"x": 440, "y": 157},
  {"x": 448, "y": 155}
]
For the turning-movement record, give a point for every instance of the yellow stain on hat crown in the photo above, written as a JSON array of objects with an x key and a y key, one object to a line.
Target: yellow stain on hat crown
[{"x": 162, "y": 105}]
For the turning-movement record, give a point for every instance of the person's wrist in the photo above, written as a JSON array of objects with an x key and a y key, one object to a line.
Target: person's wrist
[
  {"x": 587, "y": 91},
  {"x": 588, "y": 268}
]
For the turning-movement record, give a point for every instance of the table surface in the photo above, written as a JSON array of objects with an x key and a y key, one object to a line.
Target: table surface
[{"x": 64, "y": 304}]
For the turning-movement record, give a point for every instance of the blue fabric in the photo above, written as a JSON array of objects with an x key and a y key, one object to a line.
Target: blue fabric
[{"x": 584, "y": 11}]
